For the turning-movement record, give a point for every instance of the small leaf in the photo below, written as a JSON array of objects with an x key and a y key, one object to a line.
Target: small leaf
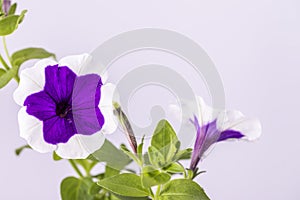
[
  {"x": 130, "y": 154},
  {"x": 73, "y": 188},
  {"x": 165, "y": 140},
  {"x": 108, "y": 153},
  {"x": 175, "y": 168},
  {"x": 184, "y": 154},
  {"x": 128, "y": 185},
  {"x": 21, "y": 56},
  {"x": 56, "y": 157},
  {"x": 9, "y": 24},
  {"x": 152, "y": 177},
  {"x": 19, "y": 150},
  {"x": 140, "y": 149},
  {"x": 182, "y": 189},
  {"x": 21, "y": 18},
  {"x": 12, "y": 9}
]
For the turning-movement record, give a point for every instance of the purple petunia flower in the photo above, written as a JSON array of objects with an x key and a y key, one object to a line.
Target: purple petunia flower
[
  {"x": 216, "y": 126},
  {"x": 64, "y": 110}
]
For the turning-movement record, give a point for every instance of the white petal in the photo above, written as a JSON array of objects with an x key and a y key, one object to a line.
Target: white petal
[
  {"x": 235, "y": 120},
  {"x": 80, "y": 146},
  {"x": 76, "y": 62},
  {"x": 206, "y": 113},
  {"x": 107, "y": 109},
  {"x": 187, "y": 109},
  {"x": 31, "y": 129},
  {"x": 32, "y": 80}
]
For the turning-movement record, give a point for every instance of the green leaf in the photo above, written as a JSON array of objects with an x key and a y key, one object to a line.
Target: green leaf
[
  {"x": 155, "y": 156},
  {"x": 152, "y": 177},
  {"x": 6, "y": 77},
  {"x": 118, "y": 197},
  {"x": 175, "y": 168},
  {"x": 12, "y": 9},
  {"x": 108, "y": 153},
  {"x": 130, "y": 154},
  {"x": 94, "y": 189},
  {"x": 9, "y": 24},
  {"x": 140, "y": 149},
  {"x": 2, "y": 71},
  {"x": 165, "y": 140},
  {"x": 19, "y": 150},
  {"x": 182, "y": 189},
  {"x": 109, "y": 172},
  {"x": 21, "y": 56},
  {"x": 1, "y": 8},
  {"x": 56, "y": 157},
  {"x": 127, "y": 185},
  {"x": 73, "y": 188},
  {"x": 21, "y": 18},
  {"x": 184, "y": 154}
]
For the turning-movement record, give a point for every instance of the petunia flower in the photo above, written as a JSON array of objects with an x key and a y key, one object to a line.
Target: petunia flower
[
  {"x": 214, "y": 126},
  {"x": 64, "y": 110}
]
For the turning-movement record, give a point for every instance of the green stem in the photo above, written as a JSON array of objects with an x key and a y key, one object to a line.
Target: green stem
[
  {"x": 4, "y": 63},
  {"x": 184, "y": 171},
  {"x": 73, "y": 164},
  {"x": 6, "y": 49},
  {"x": 157, "y": 192}
]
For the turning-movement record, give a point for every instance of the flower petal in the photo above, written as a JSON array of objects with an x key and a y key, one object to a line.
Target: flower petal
[
  {"x": 31, "y": 129},
  {"x": 32, "y": 80},
  {"x": 206, "y": 113},
  {"x": 107, "y": 108},
  {"x": 58, "y": 130},
  {"x": 85, "y": 99},
  {"x": 59, "y": 82},
  {"x": 229, "y": 121},
  {"x": 40, "y": 105},
  {"x": 76, "y": 62},
  {"x": 80, "y": 146}
]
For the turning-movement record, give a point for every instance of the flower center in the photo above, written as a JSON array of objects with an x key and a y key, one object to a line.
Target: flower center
[{"x": 62, "y": 109}]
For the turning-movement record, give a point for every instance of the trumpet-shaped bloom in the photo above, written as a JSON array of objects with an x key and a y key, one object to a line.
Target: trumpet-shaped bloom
[
  {"x": 64, "y": 110},
  {"x": 216, "y": 126}
]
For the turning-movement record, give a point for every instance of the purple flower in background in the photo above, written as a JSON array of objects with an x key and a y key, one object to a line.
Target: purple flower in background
[
  {"x": 63, "y": 110},
  {"x": 6, "y": 6},
  {"x": 225, "y": 126}
]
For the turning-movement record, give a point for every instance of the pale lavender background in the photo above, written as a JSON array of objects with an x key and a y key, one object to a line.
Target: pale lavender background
[{"x": 255, "y": 46}]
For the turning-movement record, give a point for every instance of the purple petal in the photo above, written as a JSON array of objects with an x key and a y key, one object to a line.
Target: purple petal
[
  {"x": 58, "y": 130},
  {"x": 59, "y": 82},
  {"x": 230, "y": 134},
  {"x": 207, "y": 135},
  {"x": 85, "y": 100},
  {"x": 40, "y": 105}
]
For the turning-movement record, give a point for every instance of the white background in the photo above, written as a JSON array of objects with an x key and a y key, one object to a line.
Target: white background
[{"x": 255, "y": 46}]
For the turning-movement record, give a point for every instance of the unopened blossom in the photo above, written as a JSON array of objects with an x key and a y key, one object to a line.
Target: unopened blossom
[
  {"x": 6, "y": 6},
  {"x": 63, "y": 109}
]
